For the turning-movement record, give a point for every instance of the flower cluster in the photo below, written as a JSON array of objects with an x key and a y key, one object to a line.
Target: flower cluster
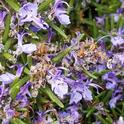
[{"x": 59, "y": 64}]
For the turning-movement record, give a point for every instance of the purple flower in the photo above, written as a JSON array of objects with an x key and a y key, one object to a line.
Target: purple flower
[
  {"x": 4, "y": 91},
  {"x": 34, "y": 28},
  {"x": 26, "y": 48},
  {"x": 28, "y": 13},
  {"x": 39, "y": 118},
  {"x": 119, "y": 58},
  {"x": 40, "y": 23},
  {"x": 80, "y": 90},
  {"x": 42, "y": 118},
  {"x": 75, "y": 97},
  {"x": 58, "y": 83},
  {"x": 2, "y": 17},
  {"x": 100, "y": 20},
  {"x": 22, "y": 95},
  {"x": 19, "y": 69},
  {"x": 100, "y": 67},
  {"x": 70, "y": 116},
  {"x": 110, "y": 85},
  {"x": 120, "y": 10},
  {"x": 25, "y": 89},
  {"x": 84, "y": 90},
  {"x": 9, "y": 114},
  {"x": 23, "y": 101},
  {"x": 116, "y": 16},
  {"x": 86, "y": 93},
  {"x": 118, "y": 39},
  {"x": 7, "y": 78},
  {"x": 111, "y": 79},
  {"x": 50, "y": 35},
  {"x": 60, "y": 12},
  {"x": 1, "y": 90},
  {"x": 114, "y": 100},
  {"x": 59, "y": 86}
]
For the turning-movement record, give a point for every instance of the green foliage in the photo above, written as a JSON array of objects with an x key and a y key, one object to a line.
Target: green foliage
[
  {"x": 17, "y": 121},
  {"x": 52, "y": 96},
  {"x": 13, "y": 4},
  {"x": 7, "y": 28},
  {"x": 16, "y": 86}
]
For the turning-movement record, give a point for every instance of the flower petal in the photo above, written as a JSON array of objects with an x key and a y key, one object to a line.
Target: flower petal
[
  {"x": 29, "y": 48},
  {"x": 7, "y": 78}
]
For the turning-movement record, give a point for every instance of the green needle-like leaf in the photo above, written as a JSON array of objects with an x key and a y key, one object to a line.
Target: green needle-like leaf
[
  {"x": 16, "y": 87},
  {"x": 107, "y": 96},
  {"x": 61, "y": 55},
  {"x": 59, "y": 31},
  {"x": 17, "y": 121},
  {"x": 7, "y": 28},
  {"x": 44, "y": 5},
  {"x": 9, "y": 57},
  {"x": 88, "y": 73},
  {"x": 52, "y": 96},
  {"x": 13, "y": 4}
]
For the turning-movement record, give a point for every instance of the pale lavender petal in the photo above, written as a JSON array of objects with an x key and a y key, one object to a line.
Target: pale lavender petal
[
  {"x": 9, "y": 114},
  {"x": 22, "y": 96},
  {"x": 87, "y": 94},
  {"x": 117, "y": 40},
  {"x": 29, "y": 48},
  {"x": 75, "y": 97},
  {"x": 100, "y": 20},
  {"x": 19, "y": 70},
  {"x": 60, "y": 12},
  {"x": 110, "y": 85},
  {"x": 1, "y": 90},
  {"x": 27, "y": 12},
  {"x": 40, "y": 23},
  {"x": 59, "y": 86},
  {"x": 63, "y": 17},
  {"x": 95, "y": 86},
  {"x": 7, "y": 78},
  {"x": 20, "y": 38},
  {"x": 70, "y": 116},
  {"x": 25, "y": 89},
  {"x": 61, "y": 89},
  {"x": 119, "y": 58},
  {"x": 5, "y": 121},
  {"x": 34, "y": 28},
  {"x": 116, "y": 17},
  {"x": 2, "y": 17},
  {"x": 23, "y": 101},
  {"x": 113, "y": 101}
]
